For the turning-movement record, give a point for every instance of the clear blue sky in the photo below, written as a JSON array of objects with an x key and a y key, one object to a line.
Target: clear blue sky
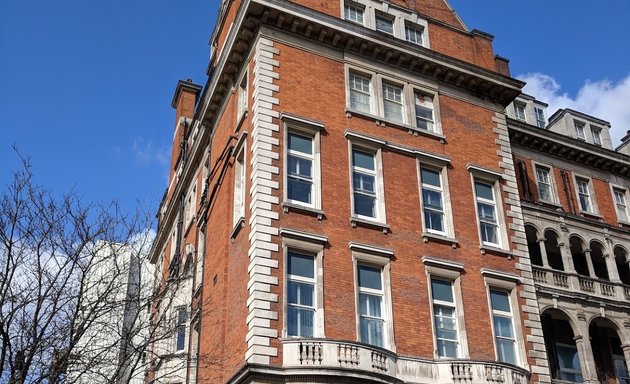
[{"x": 85, "y": 86}]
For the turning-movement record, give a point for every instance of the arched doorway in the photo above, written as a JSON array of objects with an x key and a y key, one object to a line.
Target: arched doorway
[
  {"x": 607, "y": 353},
  {"x": 564, "y": 360}
]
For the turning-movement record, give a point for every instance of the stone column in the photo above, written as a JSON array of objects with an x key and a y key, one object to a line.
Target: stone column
[
  {"x": 585, "y": 352},
  {"x": 543, "y": 252},
  {"x": 626, "y": 354},
  {"x": 567, "y": 258},
  {"x": 589, "y": 263},
  {"x": 613, "y": 273}
]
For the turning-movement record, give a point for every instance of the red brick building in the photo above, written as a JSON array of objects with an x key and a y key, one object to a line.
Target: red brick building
[{"x": 343, "y": 204}]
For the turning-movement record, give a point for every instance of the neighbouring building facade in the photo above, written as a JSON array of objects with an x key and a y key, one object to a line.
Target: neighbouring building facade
[{"x": 351, "y": 200}]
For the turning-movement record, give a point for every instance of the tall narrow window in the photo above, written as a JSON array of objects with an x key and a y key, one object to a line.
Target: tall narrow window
[
  {"x": 242, "y": 97},
  {"x": 371, "y": 313},
  {"x": 353, "y": 12},
  {"x": 384, "y": 23},
  {"x": 239, "y": 187},
  {"x": 620, "y": 204},
  {"x": 201, "y": 252},
  {"x": 300, "y": 168},
  {"x": 487, "y": 213},
  {"x": 545, "y": 190},
  {"x": 584, "y": 195},
  {"x": 597, "y": 137},
  {"x": 364, "y": 184},
  {"x": 579, "y": 130},
  {"x": 393, "y": 102},
  {"x": 519, "y": 110},
  {"x": 445, "y": 318},
  {"x": 360, "y": 93},
  {"x": 505, "y": 340},
  {"x": 180, "y": 329},
  {"x": 424, "y": 112},
  {"x": 540, "y": 117},
  {"x": 432, "y": 201},
  {"x": 301, "y": 293},
  {"x": 413, "y": 34}
]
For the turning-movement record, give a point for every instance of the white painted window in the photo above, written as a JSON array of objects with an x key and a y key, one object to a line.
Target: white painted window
[
  {"x": 597, "y": 136},
  {"x": 424, "y": 111},
  {"x": 445, "y": 318},
  {"x": 300, "y": 169},
  {"x": 371, "y": 309},
  {"x": 242, "y": 97},
  {"x": 365, "y": 185},
  {"x": 239, "y": 187},
  {"x": 433, "y": 211},
  {"x": 519, "y": 110},
  {"x": 393, "y": 102},
  {"x": 569, "y": 363},
  {"x": 487, "y": 213},
  {"x": 201, "y": 254},
  {"x": 543, "y": 182},
  {"x": 384, "y": 23},
  {"x": 360, "y": 93},
  {"x": 181, "y": 318},
  {"x": 579, "y": 130},
  {"x": 503, "y": 326},
  {"x": 541, "y": 122},
  {"x": 584, "y": 194},
  {"x": 301, "y": 294},
  {"x": 190, "y": 204},
  {"x": 621, "y": 204},
  {"x": 353, "y": 12},
  {"x": 413, "y": 34}
]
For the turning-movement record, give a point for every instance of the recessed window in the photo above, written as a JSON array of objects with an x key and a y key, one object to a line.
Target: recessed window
[
  {"x": 445, "y": 318},
  {"x": 621, "y": 205},
  {"x": 301, "y": 295},
  {"x": 353, "y": 12},
  {"x": 393, "y": 102},
  {"x": 502, "y": 320},
  {"x": 487, "y": 213},
  {"x": 424, "y": 111},
  {"x": 597, "y": 135},
  {"x": 569, "y": 363},
  {"x": 371, "y": 306},
  {"x": 584, "y": 194},
  {"x": 239, "y": 187},
  {"x": 364, "y": 184},
  {"x": 541, "y": 122},
  {"x": 413, "y": 34},
  {"x": 180, "y": 329},
  {"x": 300, "y": 156},
  {"x": 384, "y": 23},
  {"x": 579, "y": 130},
  {"x": 519, "y": 110},
  {"x": 432, "y": 201},
  {"x": 543, "y": 181},
  {"x": 360, "y": 96}
]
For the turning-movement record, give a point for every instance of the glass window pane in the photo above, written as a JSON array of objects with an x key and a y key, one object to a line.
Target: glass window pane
[
  {"x": 372, "y": 331},
  {"x": 506, "y": 351},
  {"x": 299, "y": 167},
  {"x": 432, "y": 199},
  {"x": 363, "y": 182},
  {"x": 447, "y": 348},
  {"x": 500, "y": 301},
  {"x": 300, "y": 143},
  {"x": 384, "y": 24},
  {"x": 489, "y": 233},
  {"x": 430, "y": 177},
  {"x": 434, "y": 220},
  {"x": 364, "y": 205},
  {"x": 503, "y": 327},
  {"x": 362, "y": 159},
  {"x": 442, "y": 290},
  {"x": 299, "y": 190},
  {"x": 370, "y": 277},
  {"x": 484, "y": 191},
  {"x": 301, "y": 265},
  {"x": 486, "y": 212},
  {"x": 370, "y": 305}
]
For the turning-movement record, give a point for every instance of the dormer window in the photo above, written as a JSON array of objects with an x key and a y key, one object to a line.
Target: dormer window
[
  {"x": 384, "y": 23},
  {"x": 579, "y": 130},
  {"x": 540, "y": 117},
  {"x": 597, "y": 137},
  {"x": 353, "y": 12},
  {"x": 519, "y": 111},
  {"x": 413, "y": 34}
]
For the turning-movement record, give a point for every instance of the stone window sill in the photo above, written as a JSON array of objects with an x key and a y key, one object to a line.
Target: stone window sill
[
  {"x": 485, "y": 249},
  {"x": 432, "y": 237},
  {"x": 292, "y": 207},
  {"x": 410, "y": 128},
  {"x": 356, "y": 221},
  {"x": 237, "y": 228}
]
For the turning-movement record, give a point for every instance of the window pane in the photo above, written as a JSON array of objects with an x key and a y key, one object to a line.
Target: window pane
[
  {"x": 486, "y": 212},
  {"x": 500, "y": 301},
  {"x": 363, "y": 159},
  {"x": 363, "y": 182},
  {"x": 301, "y": 265},
  {"x": 393, "y": 111},
  {"x": 503, "y": 327},
  {"x": 300, "y": 167},
  {"x": 432, "y": 199},
  {"x": 506, "y": 351},
  {"x": 442, "y": 290},
  {"x": 372, "y": 331},
  {"x": 413, "y": 35},
  {"x": 299, "y": 190},
  {"x": 300, "y": 143},
  {"x": 370, "y": 305},
  {"x": 488, "y": 233},
  {"x": 300, "y": 321},
  {"x": 370, "y": 277},
  {"x": 364, "y": 205},
  {"x": 447, "y": 348},
  {"x": 430, "y": 177},
  {"x": 434, "y": 220},
  {"x": 384, "y": 24},
  {"x": 484, "y": 191}
]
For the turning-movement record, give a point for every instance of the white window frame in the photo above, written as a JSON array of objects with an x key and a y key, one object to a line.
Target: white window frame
[
  {"x": 241, "y": 97},
  {"x": 380, "y": 214},
  {"x": 201, "y": 255},
  {"x": 190, "y": 204},
  {"x": 539, "y": 115},
  {"x": 565, "y": 370},
  {"x": 506, "y": 282},
  {"x": 579, "y": 130},
  {"x": 180, "y": 326},
  {"x": 302, "y": 280},
  {"x": 314, "y": 136},
  {"x": 626, "y": 197},
  {"x": 593, "y": 210},
  {"x": 517, "y": 109},
  {"x": 240, "y": 181},
  {"x": 377, "y": 80},
  {"x": 386, "y": 85},
  {"x": 418, "y": 32},
  {"x": 312, "y": 245},
  {"x": 441, "y": 169},
  {"x": 551, "y": 181},
  {"x": 386, "y": 17},
  {"x": 375, "y": 257},
  {"x": 492, "y": 178},
  {"x": 596, "y": 134},
  {"x": 449, "y": 271},
  {"x": 357, "y": 7}
]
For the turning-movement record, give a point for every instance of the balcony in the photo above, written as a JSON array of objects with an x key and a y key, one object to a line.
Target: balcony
[
  {"x": 573, "y": 282},
  {"x": 377, "y": 365}
]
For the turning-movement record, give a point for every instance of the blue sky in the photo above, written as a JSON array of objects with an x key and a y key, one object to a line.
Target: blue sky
[{"x": 85, "y": 86}]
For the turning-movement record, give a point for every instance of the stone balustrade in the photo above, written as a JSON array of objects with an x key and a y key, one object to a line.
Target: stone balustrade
[
  {"x": 572, "y": 282},
  {"x": 361, "y": 360}
]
